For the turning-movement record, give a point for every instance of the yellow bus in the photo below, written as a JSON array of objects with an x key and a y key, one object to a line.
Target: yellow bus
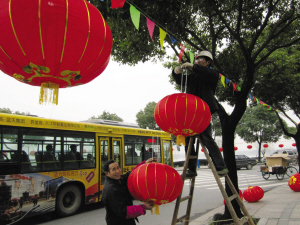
[{"x": 48, "y": 165}]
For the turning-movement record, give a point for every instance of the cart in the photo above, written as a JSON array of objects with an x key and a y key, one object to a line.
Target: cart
[{"x": 279, "y": 171}]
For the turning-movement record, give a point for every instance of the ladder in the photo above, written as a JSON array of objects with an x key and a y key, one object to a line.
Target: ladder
[{"x": 228, "y": 200}]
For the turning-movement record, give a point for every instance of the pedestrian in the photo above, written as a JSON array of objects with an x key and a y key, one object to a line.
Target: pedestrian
[
  {"x": 202, "y": 81},
  {"x": 117, "y": 199}
]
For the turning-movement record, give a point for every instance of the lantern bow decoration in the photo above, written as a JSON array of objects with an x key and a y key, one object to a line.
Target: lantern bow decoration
[
  {"x": 182, "y": 115},
  {"x": 53, "y": 44},
  {"x": 253, "y": 194},
  {"x": 155, "y": 182}
]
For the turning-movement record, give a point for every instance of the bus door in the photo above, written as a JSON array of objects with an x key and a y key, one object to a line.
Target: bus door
[{"x": 167, "y": 150}]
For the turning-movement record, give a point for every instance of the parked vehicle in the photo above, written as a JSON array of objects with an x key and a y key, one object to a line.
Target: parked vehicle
[
  {"x": 244, "y": 161},
  {"x": 293, "y": 158}
]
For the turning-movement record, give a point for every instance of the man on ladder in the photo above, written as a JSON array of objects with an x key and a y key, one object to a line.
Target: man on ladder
[{"x": 202, "y": 82}]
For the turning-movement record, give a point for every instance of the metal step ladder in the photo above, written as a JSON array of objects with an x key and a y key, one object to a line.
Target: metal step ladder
[{"x": 185, "y": 218}]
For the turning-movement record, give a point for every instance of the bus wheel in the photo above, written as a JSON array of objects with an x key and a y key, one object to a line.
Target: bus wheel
[{"x": 68, "y": 200}]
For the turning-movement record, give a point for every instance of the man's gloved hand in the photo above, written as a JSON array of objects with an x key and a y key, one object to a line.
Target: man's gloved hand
[
  {"x": 187, "y": 66},
  {"x": 178, "y": 70}
]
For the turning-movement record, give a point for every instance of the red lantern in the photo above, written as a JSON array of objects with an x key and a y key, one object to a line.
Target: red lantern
[
  {"x": 157, "y": 182},
  {"x": 235, "y": 148},
  {"x": 294, "y": 144},
  {"x": 182, "y": 115},
  {"x": 253, "y": 194},
  {"x": 294, "y": 182},
  {"x": 240, "y": 194},
  {"x": 249, "y": 146},
  {"x": 202, "y": 150},
  {"x": 221, "y": 149},
  {"x": 53, "y": 44},
  {"x": 281, "y": 145},
  {"x": 265, "y": 145}
]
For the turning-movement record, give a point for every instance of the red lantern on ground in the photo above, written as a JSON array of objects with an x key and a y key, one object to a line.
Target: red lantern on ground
[
  {"x": 235, "y": 148},
  {"x": 249, "y": 146},
  {"x": 281, "y": 145},
  {"x": 53, "y": 44},
  {"x": 157, "y": 182},
  {"x": 265, "y": 145},
  {"x": 240, "y": 194},
  {"x": 294, "y": 144},
  {"x": 182, "y": 115},
  {"x": 253, "y": 194},
  {"x": 294, "y": 182},
  {"x": 221, "y": 149}
]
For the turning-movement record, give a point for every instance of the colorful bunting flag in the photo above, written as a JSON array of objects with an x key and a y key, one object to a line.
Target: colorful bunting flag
[
  {"x": 233, "y": 87},
  {"x": 182, "y": 48},
  {"x": 226, "y": 80},
  {"x": 192, "y": 57},
  {"x": 220, "y": 75},
  {"x": 135, "y": 16},
  {"x": 238, "y": 88},
  {"x": 250, "y": 96},
  {"x": 117, "y": 4},
  {"x": 223, "y": 80},
  {"x": 172, "y": 39},
  {"x": 150, "y": 25},
  {"x": 162, "y": 36}
]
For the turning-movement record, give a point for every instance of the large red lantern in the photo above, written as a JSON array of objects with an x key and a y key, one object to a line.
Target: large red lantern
[
  {"x": 265, "y": 145},
  {"x": 294, "y": 144},
  {"x": 249, "y": 146},
  {"x": 157, "y": 182},
  {"x": 182, "y": 115},
  {"x": 281, "y": 145},
  {"x": 253, "y": 194},
  {"x": 53, "y": 44},
  {"x": 294, "y": 182}
]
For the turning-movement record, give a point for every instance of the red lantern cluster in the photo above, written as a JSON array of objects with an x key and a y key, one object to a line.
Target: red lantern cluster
[
  {"x": 157, "y": 182},
  {"x": 182, "y": 114},
  {"x": 249, "y": 146},
  {"x": 265, "y": 145},
  {"x": 280, "y": 145},
  {"x": 294, "y": 182},
  {"x": 54, "y": 44},
  {"x": 253, "y": 194}
]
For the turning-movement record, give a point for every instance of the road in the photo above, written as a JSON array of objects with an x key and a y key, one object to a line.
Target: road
[{"x": 207, "y": 197}]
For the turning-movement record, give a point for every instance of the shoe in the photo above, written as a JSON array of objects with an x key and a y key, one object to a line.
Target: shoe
[
  {"x": 223, "y": 172},
  {"x": 191, "y": 174}
]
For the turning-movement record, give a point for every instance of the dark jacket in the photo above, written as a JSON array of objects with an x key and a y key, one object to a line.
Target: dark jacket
[
  {"x": 202, "y": 82},
  {"x": 116, "y": 198}
]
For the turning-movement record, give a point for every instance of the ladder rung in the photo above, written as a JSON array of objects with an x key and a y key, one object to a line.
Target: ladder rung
[
  {"x": 180, "y": 219},
  {"x": 234, "y": 196},
  {"x": 185, "y": 198},
  {"x": 193, "y": 157}
]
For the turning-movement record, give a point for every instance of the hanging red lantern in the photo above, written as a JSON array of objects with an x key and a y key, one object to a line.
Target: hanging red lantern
[
  {"x": 221, "y": 149},
  {"x": 294, "y": 182},
  {"x": 182, "y": 115},
  {"x": 249, "y": 146},
  {"x": 202, "y": 150},
  {"x": 235, "y": 148},
  {"x": 265, "y": 145},
  {"x": 53, "y": 44},
  {"x": 294, "y": 144},
  {"x": 240, "y": 194},
  {"x": 157, "y": 182},
  {"x": 253, "y": 194},
  {"x": 280, "y": 145}
]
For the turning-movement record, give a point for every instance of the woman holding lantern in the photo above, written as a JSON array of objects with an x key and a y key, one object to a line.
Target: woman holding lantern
[{"x": 202, "y": 82}]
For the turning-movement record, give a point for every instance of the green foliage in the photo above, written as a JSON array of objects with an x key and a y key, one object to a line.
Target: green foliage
[
  {"x": 8, "y": 111},
  {"x": 108, "y": 116},
  {"x": 145, "y": 118},
  {"x": 216, "y": 125}
]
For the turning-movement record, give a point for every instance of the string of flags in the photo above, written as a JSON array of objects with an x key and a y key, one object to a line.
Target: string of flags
[{"x": 135, "y": 17}]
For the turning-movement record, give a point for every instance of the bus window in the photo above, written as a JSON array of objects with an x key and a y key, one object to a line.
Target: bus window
[
  {"x": 152, "y": 148},
  {"x": 133, "y": 150},
  {"x": 116, "y": 151},
  {"x": 167, "y": 153},
  {"x": 104, "y": 151}
]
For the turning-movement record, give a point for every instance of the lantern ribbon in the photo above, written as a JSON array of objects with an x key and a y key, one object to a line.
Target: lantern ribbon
[
  {"x": 49, "y": 93},
  {"x": 180, "y": 140}
]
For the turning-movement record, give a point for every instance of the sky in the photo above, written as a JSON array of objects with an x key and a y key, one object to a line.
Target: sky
[{"x": 120, "y": 89}]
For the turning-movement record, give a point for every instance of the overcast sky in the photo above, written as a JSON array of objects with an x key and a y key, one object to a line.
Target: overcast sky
[{"x": 120, "y": 89}]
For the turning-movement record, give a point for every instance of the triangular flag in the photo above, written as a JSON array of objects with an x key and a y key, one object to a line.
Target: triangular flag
[
  {"x": 233, "y": 86},
  {"x": 269, "y": 107},
  {"x": 135, "y": 16},
  {"x": 250, "y": 96},
  {"x": 172, "y": 39},
  {"x": 220, "y": 75},
  {"x": 162, "y": 37},
  {"x": 192, "y": 57},
  {"x": 227, "y": 80},
  {"x": 223, "y": 80},
  {"x": 182, "y": 48},
  {"x": 238, "y": 88},
  {"x": 117, "y": 4},
  {"x": 150, "y": 25}
]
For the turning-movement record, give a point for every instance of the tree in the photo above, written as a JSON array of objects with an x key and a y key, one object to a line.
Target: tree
[
  {"x": 108, "y": 116},
  {"x": 8, "y": 111},
  {"x": 259, "y": 125},
  {"x": 240, "y": 34},
  {"x": 145, "y": 118}
]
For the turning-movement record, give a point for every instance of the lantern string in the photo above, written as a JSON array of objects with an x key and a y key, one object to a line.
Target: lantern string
[{"x": 186, "y": 74}]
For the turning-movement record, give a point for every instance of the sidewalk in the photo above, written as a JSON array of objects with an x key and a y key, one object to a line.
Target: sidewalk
[{"x": 279, "y": 206}]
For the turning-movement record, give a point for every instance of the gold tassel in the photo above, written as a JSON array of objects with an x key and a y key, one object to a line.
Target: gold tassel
[
  {"x": 49, "y": 93},
  {"x": 180, "y": 140},
  {"x": 156, "y": 210}
]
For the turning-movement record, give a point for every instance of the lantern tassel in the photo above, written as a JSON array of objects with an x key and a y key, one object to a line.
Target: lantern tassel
[
  {"x": 49, "y": 93},
  {"x": 180, "y": 140},
  {"x": 156, "y": 210}
]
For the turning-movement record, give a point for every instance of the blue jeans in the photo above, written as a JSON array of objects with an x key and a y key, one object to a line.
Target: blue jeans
[{"x": 212, "y": 148}]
